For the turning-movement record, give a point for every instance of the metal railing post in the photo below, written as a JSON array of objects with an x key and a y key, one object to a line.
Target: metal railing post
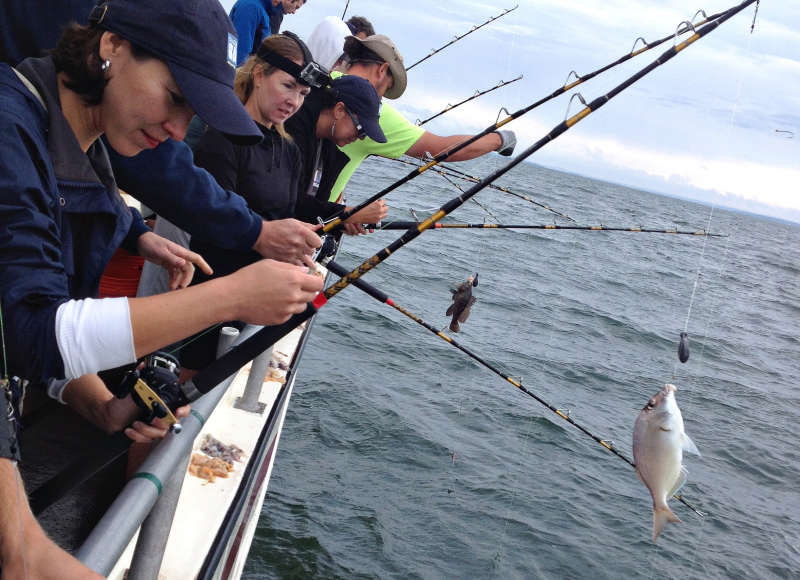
[{"x": 255, "y": 382}]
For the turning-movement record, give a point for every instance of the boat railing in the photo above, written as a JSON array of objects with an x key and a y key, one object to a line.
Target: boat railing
[{"x": 156, "y": 484}]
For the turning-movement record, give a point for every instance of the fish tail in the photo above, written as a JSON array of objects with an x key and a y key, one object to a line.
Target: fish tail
[
  {"x": 454, "y": 325},
  {"x": 662, "y": 515}
]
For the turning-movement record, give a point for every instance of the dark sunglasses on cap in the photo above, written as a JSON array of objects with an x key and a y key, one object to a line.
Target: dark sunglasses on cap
[{"x": 356, "y": 123}]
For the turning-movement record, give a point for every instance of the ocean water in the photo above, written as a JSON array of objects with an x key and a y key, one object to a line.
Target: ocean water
[{"x": 402, "y": 458}]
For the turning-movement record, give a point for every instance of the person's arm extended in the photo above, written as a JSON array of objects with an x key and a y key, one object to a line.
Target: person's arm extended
[
  {"x": 25, "y": 550},
  {"x": 167, "y": 181},
  {"x": 434, "y": 145}
]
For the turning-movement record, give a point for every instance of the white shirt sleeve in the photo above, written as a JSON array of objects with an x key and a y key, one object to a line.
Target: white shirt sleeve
[{"x": 94, "y": 335}]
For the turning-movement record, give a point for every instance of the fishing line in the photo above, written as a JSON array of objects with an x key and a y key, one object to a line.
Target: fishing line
[
  {"x": 384, "y": 298},
  {"x": 216, "y": 371},
  {"x": 721, "y": 273},
  {"x": 710, "y": 23},
  {"x": 694, "y": 287},
  {"x": 458, "y": 174}
]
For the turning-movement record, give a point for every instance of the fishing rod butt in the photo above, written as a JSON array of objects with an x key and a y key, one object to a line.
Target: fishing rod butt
[{"x": 236, "y": 358}]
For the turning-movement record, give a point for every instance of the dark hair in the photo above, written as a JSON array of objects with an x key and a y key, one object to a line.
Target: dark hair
[
  {"x": 77, "y": 55},
  {"x": 356, "y": 53},
  {"x": 358, "y": 24}
]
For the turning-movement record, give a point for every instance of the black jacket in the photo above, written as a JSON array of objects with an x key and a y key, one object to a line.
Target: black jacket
[
  {"x": 266, "y": 176},
  {"x": 302, "y": 126}
]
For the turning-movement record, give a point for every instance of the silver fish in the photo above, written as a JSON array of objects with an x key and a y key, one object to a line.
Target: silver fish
[{"x": 658, "y": 444}]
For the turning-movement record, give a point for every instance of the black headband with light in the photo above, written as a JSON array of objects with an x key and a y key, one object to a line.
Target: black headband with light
[{"x": 310, "y": 74}]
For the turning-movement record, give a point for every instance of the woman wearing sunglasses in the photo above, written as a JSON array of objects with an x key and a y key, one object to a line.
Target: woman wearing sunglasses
[{"x": 272, "y": 85}]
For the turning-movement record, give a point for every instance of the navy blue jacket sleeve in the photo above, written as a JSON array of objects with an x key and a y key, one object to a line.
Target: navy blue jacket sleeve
[
  {"x": 33, "y": 281},
  {"x": 138, "y": 227},
  {"x": 166, "y": 180}
]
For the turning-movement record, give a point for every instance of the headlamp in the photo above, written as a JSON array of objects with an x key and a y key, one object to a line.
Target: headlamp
[{"x": 311, "y": 73}]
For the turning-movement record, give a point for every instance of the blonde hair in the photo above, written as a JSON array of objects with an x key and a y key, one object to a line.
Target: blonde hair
[{"x": 243, "y": 84}]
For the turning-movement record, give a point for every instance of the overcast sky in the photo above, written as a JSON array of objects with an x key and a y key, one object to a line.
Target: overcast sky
[{"x": 702, "y": 126}]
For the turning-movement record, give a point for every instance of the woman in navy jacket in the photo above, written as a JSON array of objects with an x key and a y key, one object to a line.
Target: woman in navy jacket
[{"x": 137, "y": 74}]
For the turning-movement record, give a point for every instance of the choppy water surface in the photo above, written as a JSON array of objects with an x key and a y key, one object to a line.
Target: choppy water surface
[{"x": 402, "y": 458}]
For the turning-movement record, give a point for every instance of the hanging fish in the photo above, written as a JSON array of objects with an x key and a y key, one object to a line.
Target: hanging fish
[
  {"x": 658, "y": 444},
  {"x": 683, "y": 348},
  {"x": 462, "y": 302}
]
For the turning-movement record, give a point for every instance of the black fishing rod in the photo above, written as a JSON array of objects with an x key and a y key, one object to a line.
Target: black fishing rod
[
  {"x": 456, "y": 174},
  {"x": 336, "y": 223},
  {"x": 346, "y": 6},
  {"x": 233, "y": 360},
  {"x": 457, "y": 38},
  {"x": 216, "y": 372},
  {"x": 403, "y": 225},
  {"x": 468, "y": 99},
  {"x": 384, "y": 298}
]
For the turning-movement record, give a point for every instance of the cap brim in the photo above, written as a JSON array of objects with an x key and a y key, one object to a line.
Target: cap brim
[
  {"x": 373, "y": 130},
  {"x": 217, "y": 104},
  {"x": 399, "y": 81}
]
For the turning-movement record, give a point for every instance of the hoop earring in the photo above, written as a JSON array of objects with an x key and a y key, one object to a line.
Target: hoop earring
[
  {"x": 333, "y": 128},
  {"x": 105, "y": 65}
]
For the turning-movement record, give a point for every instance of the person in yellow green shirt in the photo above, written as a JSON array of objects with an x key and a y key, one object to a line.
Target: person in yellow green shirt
[{"x": 377, "y": 59}]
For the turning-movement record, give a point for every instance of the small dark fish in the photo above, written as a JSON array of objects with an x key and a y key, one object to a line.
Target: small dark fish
[
  {"x": 683, "y": 348},
  {"x": 462, "y": 302}
]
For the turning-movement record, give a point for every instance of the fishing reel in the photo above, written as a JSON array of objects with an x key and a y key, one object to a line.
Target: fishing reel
[{"x": 154, "y": 388}]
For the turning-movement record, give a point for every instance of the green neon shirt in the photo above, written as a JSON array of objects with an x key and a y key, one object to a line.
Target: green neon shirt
[{"x": 400, "y": 136}]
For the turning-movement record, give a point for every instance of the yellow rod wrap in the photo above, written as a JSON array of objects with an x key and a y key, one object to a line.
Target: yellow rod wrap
[
  {"x": 636, "y": 229},
  {"x": 503, "y": 122},
  {"x": 606, "y": 445},
  {"x": 687, "y": 42},
  {"x": 427, "y": 166},
  {"x": 640, "y": 51},
  {"x": 430, "y": 221},
  {"x": 575, "y": 118},
  {"x": 573, "y": 84},
  {"x": 551, "y": 227},
  {"x": 332, "y": 224},
  {"x": 562, "y": 414},
  {"x": 597, "y": 227}
]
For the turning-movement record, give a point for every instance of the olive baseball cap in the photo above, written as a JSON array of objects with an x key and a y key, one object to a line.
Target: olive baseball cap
[{"x": 383, "y": 46}]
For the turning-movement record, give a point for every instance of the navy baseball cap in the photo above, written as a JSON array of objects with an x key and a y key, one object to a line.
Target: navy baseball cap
[
  {"x": 362, "y": 99},
  {"x": 198, "y": 43}
]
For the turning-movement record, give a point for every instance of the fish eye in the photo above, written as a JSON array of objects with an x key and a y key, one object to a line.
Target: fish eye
[{"x": 651, "y": 403}]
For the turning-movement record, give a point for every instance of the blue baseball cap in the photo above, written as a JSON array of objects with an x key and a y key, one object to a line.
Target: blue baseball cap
[
  {"x": 198, "y": 43},
  {"x": 362, "y": 99}
]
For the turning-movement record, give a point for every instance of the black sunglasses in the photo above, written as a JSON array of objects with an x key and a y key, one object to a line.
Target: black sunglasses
[{"x": 361, "y": 132}]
